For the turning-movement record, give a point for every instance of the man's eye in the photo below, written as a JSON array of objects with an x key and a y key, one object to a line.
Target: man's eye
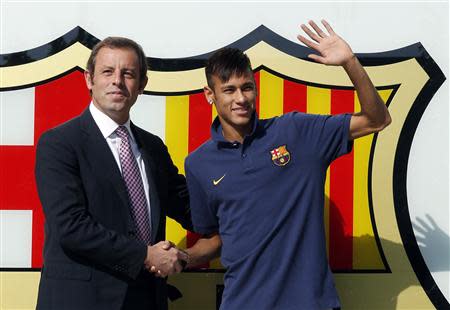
[{"x": 107, "y": 72}]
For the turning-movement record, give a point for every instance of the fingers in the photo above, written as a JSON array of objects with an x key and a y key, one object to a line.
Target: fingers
[
  {"x": 162, "y": 273},
  {"x": 328, "y": 27},
  {"x": 319, "y": 33},
  {"x": 166, "y": 245},
  {"x": 307, "y": 42},
  {"x": 311, "y": 34},
  {"x": 158, "y": 273},
  {"x": 167, "y": 259},
  {"x": 165, "y": 271},
  {"x": 317, "y": 29}
]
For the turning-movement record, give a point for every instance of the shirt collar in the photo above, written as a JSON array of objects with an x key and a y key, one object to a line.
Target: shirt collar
[
  {"x": 106, "y": 125},
  {"x": 217, "y": 133}
]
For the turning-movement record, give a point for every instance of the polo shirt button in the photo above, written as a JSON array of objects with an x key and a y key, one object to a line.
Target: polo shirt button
[{"x": 244, "y": 155}]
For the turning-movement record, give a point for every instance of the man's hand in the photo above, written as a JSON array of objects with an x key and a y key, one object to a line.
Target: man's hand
[
  {"x": 332, "y": 48},
  {"x": 165, "y": 259}
]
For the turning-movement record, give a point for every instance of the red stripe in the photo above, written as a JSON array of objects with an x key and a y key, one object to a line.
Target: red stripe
[
  {"x": 17, "y": 189},
  {"x": 294, "y": 97},
  {"x": 257, "y": 79},
  {"x": 341, "y": 194},
  {"x": 200, "y": 118},
  {"x": 55, "y": 103},
  {"x": 59, "y": 101}
]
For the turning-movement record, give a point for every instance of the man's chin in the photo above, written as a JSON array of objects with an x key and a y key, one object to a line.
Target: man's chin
[{"x": 242, "y": 121}]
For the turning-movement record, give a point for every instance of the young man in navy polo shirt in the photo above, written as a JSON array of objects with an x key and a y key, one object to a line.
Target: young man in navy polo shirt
[{"x": 259, "y": 184}]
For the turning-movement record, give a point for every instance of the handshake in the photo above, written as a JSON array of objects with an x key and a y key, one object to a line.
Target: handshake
[{"x": 164, "y": 259}]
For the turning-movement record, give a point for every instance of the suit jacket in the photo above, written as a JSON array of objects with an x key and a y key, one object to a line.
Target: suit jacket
[{"x": 90, "y": 252}]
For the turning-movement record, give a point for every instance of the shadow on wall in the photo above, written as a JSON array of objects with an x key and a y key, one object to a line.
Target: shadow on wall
[
  {"x": 381, "y": 291},
  {"x": 433, "y": 242}
]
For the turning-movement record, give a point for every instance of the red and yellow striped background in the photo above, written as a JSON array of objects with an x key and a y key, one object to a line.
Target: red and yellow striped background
[{"x": 351, "y": 238}]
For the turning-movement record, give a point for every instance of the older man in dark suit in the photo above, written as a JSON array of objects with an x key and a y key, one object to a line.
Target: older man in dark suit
[{"x": 106, "y": 187}]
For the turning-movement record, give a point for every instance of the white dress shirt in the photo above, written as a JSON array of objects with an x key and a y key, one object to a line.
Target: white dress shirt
[{"x": 108, "y": 127}]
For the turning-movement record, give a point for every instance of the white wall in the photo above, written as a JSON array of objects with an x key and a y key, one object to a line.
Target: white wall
[{"x": 180, "y": 29}]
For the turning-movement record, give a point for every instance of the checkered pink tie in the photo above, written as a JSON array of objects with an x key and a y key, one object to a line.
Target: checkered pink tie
[{"x": 133, "y": 182}]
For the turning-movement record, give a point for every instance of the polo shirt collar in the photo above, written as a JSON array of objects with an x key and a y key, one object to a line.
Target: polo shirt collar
[{"x": 217, "y": 135}]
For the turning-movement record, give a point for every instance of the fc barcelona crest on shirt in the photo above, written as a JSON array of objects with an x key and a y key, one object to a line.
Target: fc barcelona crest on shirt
[{"x": 280, "y": 156}]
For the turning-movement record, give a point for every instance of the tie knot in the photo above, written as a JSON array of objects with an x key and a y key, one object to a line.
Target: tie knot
[{"x": 122, "y": 132}]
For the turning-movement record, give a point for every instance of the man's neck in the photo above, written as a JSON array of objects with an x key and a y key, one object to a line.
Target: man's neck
[{"x": 233, "y": 134}]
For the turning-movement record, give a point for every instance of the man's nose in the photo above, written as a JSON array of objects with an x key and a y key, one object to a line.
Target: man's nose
[
  {"x": 118, "y": 78},
  {"x": 239, "y": 96}
]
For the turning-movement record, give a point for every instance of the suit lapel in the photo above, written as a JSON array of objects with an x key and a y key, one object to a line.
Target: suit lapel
[
  {"x": 103, "y": 162},
  {"x": 152, "y": 176}
]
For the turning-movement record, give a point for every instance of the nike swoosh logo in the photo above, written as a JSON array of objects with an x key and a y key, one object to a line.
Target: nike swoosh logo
[{"x": 215, "y": 182}]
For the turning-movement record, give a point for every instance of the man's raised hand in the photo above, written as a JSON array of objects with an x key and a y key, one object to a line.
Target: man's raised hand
[{"x": 332, "y": 48}]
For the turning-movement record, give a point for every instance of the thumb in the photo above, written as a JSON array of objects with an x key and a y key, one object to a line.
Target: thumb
[{"x": 317, "y": 58}]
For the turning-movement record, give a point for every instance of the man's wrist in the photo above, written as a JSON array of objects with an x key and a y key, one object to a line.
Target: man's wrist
[
  {"x": 147, "y": 261},
  {"x": 186, "y": 263},
  {"x": 350, "y": 63},
  {"x": 190, "y": 256}
]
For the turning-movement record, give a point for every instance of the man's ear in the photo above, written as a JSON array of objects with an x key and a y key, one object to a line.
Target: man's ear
[
  {"x": 142, "y": 85},
  {"x": 88, "y": 79},
  {"x": 209, "y": 94}
]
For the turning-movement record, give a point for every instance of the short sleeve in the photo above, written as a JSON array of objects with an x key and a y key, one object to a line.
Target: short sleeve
[
  {"x": 328, "y": 134},
  {"x": 203, "y": 217}
]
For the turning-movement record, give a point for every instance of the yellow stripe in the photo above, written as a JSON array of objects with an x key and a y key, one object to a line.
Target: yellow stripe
[
  {"x": 365, "y": 251},
  {"x": 271, "y": 95},
  {"x": 213, "y": 112},
  {"x": 385, "y": 94},
  {"x": 177, "y": 129},
  {"x": 318, "y": 101}
]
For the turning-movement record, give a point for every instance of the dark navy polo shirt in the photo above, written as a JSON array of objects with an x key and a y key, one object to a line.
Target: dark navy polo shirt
[{"x": 265, "y": 197}]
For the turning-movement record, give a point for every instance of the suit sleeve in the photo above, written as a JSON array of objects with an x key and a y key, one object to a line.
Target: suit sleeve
[{"x": 64, "y": 202}]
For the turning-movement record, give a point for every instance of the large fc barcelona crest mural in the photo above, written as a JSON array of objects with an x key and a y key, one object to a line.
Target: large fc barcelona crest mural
[{"x": 367, "y": 223}]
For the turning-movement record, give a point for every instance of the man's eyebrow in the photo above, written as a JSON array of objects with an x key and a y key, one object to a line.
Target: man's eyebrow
[{"x": 227, "y": 86}]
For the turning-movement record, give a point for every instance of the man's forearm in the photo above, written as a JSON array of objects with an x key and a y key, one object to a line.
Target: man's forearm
[
  {"x": 204, "y": 250},
  {"x": 372, "y": 106}
]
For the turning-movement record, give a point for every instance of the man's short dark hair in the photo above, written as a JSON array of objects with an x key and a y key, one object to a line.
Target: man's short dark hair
[
  {"x": 119, "y": 42},
  {"x": 225, "y": 63}
]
